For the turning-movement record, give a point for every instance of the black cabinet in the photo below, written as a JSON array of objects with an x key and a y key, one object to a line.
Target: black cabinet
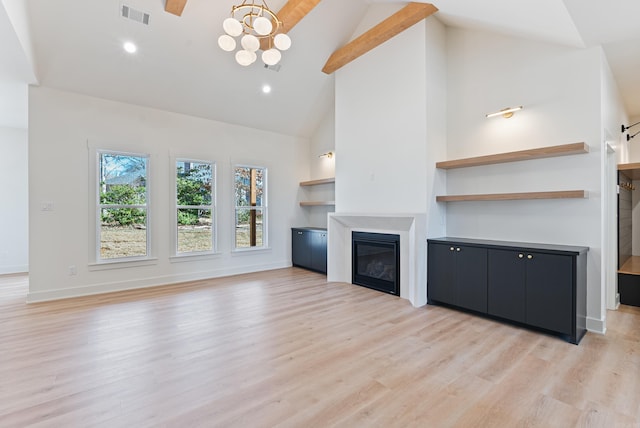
[
  {"x": 506, "y": 292},
  {"x": 539, "y": 285},
  {"x": 549, "y": 296},
  {"x": 457, "y": 275},
  {"x": 531, "y": 287},
  {"x": 309, "y": 248}
]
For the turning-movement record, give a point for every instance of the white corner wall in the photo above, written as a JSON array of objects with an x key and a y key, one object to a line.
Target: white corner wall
[
  {"x": 560, "y": 89},
  {"x": 322, "y": 141},
  {"x": 61, "y": 123},
  {"x": 381, "y": 128},
  {"x": 614, "y": 149},
  {"x": 14, "y": 209}
]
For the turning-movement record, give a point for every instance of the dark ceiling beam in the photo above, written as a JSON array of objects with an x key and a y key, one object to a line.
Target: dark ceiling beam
[
  {"x": 398, "y": 22},
  {"x": 175, "y": 6}
]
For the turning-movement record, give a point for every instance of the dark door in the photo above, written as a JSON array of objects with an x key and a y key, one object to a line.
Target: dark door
[
  {"x": 471, "y": 278},
  {"x": 506, "y": 289},
  {"x": 549, "y": 291},
  {"x": 440, "y": 273},
  {"x": 300, "y": 251},
  {"x": 319, "y": 251}
]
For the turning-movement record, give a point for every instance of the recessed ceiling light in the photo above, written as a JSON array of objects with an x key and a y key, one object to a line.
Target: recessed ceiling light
[
  {"x": 266, "y": 89},
  {"x": 130, "y": 47}
]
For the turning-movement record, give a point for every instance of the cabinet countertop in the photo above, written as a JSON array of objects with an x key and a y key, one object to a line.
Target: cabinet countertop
[
  {"x": 565, "y": 249},
  {"x": 320, "y": 229}
]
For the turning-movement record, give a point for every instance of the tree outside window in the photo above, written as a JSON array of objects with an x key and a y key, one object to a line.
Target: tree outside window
[
  {"x": 122, "y": 205},
  {"x": 250, "y": 211},
  {"x": 194, "y": 206}
]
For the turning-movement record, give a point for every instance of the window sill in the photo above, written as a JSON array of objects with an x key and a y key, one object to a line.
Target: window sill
[
  {"x": 180, "y": 258},
  {"x": 249, "y": 251},
  {"x": 121, "y": 264}
]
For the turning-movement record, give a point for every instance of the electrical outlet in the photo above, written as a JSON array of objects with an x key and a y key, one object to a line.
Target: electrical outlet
[{"x": 73, "y": 270}]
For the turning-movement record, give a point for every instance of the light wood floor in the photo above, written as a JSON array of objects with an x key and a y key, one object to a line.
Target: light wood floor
[{"x": 284, "y": 348}]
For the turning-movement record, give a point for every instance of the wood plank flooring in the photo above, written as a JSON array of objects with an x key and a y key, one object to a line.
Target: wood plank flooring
[{"x": 286, "y": 349}]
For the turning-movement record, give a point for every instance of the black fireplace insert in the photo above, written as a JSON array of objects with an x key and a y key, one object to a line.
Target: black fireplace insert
[{"x": 376, "y": 261}]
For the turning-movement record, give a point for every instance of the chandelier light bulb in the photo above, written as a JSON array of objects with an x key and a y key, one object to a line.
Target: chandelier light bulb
[
  {"x": 282, "y": 41},
  {"x": 227, "y": 43},
  {"x": 262, "y": 26},
  {"x": 232, "y": 27},
  {"x": 271, "y": 56},
  {"x": 245, "y": 57},
  {"x": 250, "y": 42}
]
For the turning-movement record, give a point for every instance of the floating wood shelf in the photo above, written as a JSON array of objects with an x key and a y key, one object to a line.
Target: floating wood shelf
[
  {"x": 317, "y": 203},
  {"x": 542, "y": 152},
  {"x": 316, "y": 182},
  {"x": 631, "y": 170},
  {"x": 631, "y": 266},
  {"x": 562, "y": 194}
]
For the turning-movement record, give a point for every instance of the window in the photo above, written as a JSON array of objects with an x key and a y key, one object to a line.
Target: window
[
  {"x": 122, "y": 206},
  {"x": 251, "y": 206},
  {"x": 194, "y": 206}
]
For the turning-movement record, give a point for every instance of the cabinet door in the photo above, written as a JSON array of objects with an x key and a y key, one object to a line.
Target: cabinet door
[
  {"x": 549, "y": 292},
  {"x": 319, "y": 251},
  {"x": 506, "y": 288},
  {"x": 300, "y": 248},
  {"x": 471, "y": 278},
  {"x": 440, "y": 273}
]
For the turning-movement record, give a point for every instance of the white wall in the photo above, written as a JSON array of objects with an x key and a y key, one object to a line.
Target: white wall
[
  {"x": 322, "y": 141},
  {"x": 560, "y": 89},
  {"x": 14, "y": 208},
  {"x": 61, "y": 123},
  {"x": 380, "y": 125},
  {"x": 634, "y": 143},
  {"x": 613, "y": 115}
]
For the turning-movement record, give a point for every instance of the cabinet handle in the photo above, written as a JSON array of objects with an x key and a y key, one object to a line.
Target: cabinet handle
[
  {"x": 520, "y": 256},
  {"x": 451, "y": 248},
  {"x": 458, "y": 249},
  {"x": 529, "y": 256}
]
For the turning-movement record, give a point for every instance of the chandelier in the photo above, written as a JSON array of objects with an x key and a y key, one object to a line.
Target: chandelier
[{"x": 255, "y": 23}]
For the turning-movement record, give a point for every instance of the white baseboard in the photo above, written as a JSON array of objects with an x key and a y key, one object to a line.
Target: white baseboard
[
  {"x": 5, "y": 270},
  {"x": 110, "y": 287},
  {"x": 597, "y": 325}
]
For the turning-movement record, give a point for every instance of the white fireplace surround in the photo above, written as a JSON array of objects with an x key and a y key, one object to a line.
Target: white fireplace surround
[{"x": 413, "y": 245}]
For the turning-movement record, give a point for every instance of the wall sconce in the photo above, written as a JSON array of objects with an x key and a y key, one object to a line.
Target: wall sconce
[
  {"x": 624, "y": 128},
  {"x": 505, "y": 112},
  {"x": 328, "y": 155}
]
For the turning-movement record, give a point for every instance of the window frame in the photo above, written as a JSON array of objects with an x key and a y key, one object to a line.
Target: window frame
[
  {"x": 98, "y": 261},
  {"x": 176, "y": 255},
  {"x": 263, "y": 208}
]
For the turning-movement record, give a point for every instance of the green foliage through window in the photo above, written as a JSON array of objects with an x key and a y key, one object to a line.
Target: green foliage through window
[
  {"x": 194, "y": 202},
  {"x": 122, "y": 193}
]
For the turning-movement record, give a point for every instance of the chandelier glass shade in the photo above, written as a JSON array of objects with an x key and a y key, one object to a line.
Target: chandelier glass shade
[{"x": 253, "y": 22}]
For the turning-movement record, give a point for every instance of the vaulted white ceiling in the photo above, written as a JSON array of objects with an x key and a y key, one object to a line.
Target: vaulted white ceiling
[{"x": 76, "y": 45}]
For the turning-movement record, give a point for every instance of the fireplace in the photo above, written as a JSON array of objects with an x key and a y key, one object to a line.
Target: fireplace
[{"x": 376, "y": 261}]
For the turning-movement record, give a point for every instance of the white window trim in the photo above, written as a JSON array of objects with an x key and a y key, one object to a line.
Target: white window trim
[
  {"x": 264, "y": 207},
  {"x": 95, "y": 261},
  {"x": 193, "y": 255}
]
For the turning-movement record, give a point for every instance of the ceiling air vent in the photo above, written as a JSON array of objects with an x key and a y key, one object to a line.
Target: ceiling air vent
[
  {"x": 273, "y": 67},
  {"x": 134, "y": 15}
]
